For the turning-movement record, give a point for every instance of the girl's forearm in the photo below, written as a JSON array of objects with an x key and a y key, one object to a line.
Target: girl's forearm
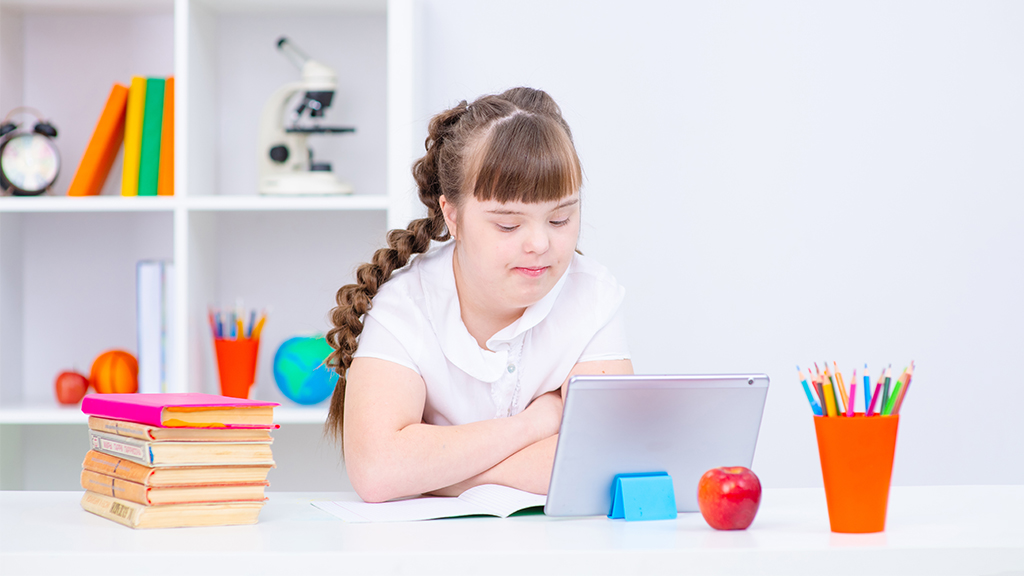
[
  {"x": 528, "y": 469},
  {"x": 421, "y": 458}
]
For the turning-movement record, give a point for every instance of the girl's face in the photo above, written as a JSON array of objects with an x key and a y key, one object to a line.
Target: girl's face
[{"x": 512, "y": 254}]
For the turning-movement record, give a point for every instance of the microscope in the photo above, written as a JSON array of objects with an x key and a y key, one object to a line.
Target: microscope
[{"x": 286, "y": 164}]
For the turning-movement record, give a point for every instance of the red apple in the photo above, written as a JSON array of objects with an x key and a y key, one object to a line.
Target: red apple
[
  {"x": 71, "y": 387},
  {"x": 729, "y": 497}
]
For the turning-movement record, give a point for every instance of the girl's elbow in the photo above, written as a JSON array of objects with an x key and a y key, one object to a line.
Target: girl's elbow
[{"x": 373, "y": 483}]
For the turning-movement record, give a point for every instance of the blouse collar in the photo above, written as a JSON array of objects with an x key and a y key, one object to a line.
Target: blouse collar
[{"x": 445, "y": 314}]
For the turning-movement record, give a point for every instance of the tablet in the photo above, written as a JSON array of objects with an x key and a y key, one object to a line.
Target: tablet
[{"x": 683, "y": 425}]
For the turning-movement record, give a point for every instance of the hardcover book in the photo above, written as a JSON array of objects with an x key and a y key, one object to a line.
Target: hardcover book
[
  {"x": 135, "y": 515},
  {"x": 111, "y": 465},
  {"x": 148, "y": 432},
  {"x": 149, "y": 148},
  {"x": 156, "y": 496},
  {"x": 134, "y": 113},
  {"x": 166, "y": 171},
  {"x": 188, "y": 410},
  {"x": 103, "y": 146},
  {"x": 161, "y": 453}
]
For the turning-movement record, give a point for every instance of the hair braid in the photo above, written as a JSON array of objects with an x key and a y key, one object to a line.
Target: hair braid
[{"x": 355, "y": 300}]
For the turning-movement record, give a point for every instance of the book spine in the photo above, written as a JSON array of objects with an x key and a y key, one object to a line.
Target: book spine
[
  {"x": 116, "y": 487},
  {"x": 133, "y": 136},
  {"x": 149, "y": 150},
  {"x": 149, "y": 325},
  {"x": 166, "y": 184},
  {"x": 120, "y": 511},
  {"x": 121, "y": 428},
  {"x": 97, "y": 405},
  {"x": 110, "y": 465},
  {"x": 130, "y": 448},
  {"x": 106, "y": 140}
]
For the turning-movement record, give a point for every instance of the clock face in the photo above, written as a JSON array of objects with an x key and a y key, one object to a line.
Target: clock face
[{"x": 30, "y": 162}]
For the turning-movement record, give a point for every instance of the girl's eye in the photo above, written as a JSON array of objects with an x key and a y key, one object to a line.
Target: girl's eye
[
  {"x": 559, "y": 222},
  {"x": 507, "y": 228}
]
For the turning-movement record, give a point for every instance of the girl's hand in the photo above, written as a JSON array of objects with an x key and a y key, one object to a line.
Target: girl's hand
[{"x": 545, "y": 415}]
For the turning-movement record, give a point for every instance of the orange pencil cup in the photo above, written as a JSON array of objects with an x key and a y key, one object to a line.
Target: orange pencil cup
[
  {"x": 236, "y": 365},
  {"x": 856, "y": 463}
]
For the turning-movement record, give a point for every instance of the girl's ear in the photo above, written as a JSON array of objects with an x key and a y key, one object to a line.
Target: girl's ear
[{"x": 449, "y": 212}]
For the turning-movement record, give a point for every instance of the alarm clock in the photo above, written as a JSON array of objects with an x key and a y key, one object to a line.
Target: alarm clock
[{"x": 29, "y": 159}]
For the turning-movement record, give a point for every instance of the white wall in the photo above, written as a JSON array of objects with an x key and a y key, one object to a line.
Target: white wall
[{"x": 788, "y": 182}]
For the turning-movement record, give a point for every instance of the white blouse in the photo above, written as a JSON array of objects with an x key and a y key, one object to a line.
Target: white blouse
[{"x": 416, "y": 321}]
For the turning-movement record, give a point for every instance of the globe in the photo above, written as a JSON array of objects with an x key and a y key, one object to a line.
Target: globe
[{"x": 300, "y": 372}]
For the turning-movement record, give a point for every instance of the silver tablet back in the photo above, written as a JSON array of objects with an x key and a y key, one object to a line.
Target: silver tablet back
[{"x": 681, "y": 424}]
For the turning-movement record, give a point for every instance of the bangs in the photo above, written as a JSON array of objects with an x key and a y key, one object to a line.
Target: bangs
[{"x": 525, "y": 158}]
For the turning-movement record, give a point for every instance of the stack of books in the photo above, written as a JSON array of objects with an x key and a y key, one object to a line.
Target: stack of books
[
  {"x": 140, "y": 116},
  {"x": 174, "y": 460}
]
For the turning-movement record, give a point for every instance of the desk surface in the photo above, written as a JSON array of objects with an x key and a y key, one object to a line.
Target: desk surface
[{"x": 930, "y": 530}]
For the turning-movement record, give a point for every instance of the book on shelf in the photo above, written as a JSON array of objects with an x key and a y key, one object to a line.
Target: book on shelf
[
  {"x": 135, "y": 515},
  {"x": 134, "y": 114},
  {"x": 165, "y": 187},
  {"x": 182, "y": 410},
  {"x": 148, "y": 432},
  {"x": 154, "y": 319},
  {"x": 158, "y": 496},
  {"x": 149, "y": 147},
  {"x": 169, "y": 453},
  {"x": 125, "y": 469},
  {"x": 103, "y": 146}
]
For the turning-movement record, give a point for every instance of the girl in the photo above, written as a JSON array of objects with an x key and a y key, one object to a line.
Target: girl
[{"x": 452, "y": 368}]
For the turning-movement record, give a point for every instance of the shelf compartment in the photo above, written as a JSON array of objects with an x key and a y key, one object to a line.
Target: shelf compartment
[
  {"x": 67, "y": 284},
  {"x": 291, "y": 262}
]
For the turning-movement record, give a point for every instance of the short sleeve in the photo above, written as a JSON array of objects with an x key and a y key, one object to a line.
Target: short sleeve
[
  {"x": 376, "y": 341},
  {"x": 610, "y": 341}
]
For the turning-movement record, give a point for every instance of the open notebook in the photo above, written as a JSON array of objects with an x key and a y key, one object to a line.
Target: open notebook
[{"x": 488, "y": 499}]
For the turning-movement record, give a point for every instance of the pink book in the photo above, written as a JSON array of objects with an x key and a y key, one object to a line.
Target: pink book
[{"x": 182, "y": 410}]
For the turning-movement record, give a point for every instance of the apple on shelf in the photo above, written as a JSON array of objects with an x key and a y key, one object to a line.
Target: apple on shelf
[
  {"x": 728, "y": 497},
  {"x": 71, "y": 387}
]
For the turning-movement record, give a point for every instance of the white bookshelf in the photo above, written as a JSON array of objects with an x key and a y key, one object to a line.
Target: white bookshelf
[{"x": 67, "y": 265}]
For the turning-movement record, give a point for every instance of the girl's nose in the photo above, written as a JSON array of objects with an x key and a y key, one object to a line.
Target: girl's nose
[{"x": 537, "y": 240}]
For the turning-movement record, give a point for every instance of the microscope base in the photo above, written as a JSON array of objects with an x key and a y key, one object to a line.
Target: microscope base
[{"x": 303, "y": 183}]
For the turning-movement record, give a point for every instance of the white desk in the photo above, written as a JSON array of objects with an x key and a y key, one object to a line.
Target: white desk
[{"x": 933, "y": 530}]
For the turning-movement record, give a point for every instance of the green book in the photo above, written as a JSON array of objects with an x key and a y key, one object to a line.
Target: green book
[{"x": 152, "y": 120}]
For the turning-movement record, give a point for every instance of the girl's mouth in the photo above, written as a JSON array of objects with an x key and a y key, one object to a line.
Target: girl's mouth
[{"x": 531, "y": 272}]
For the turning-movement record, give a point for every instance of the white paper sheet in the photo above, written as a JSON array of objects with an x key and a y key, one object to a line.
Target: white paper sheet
[{"x": 489, "y": 499}]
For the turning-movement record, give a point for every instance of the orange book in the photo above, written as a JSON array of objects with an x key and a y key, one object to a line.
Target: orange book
[
  {"x": 165, "y": 186},
  {"x": 103, "y": 146}
]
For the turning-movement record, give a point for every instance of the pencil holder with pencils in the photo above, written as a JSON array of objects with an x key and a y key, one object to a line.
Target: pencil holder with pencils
[
  {"x": 856, "y": 463},
  {"x": 236, "y": 345},
  {"x": 856, "y": 448}
]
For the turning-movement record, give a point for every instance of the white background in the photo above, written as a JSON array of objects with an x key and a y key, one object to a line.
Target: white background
[
  {"x": 774, "y": 183},
  {"x": 779, "y": 183}
]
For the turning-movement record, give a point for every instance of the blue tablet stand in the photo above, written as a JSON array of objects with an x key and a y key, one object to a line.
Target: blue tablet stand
[{"x": 643, "y": 496}]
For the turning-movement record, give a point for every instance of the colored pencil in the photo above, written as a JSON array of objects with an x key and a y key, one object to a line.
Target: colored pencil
[
  {"x": 867, "y": 387},
  {"x": 830, "y": 397},
  {"x": 874, "y": 399},
  {"x": 259, "y": 326},
  {"x": 835, "y": 392},
  {"x": 853, "y": 392},
  {"x": 849, "y": 407},
  {"x": 887, "y": 409},
  {"x": 885, "y": 387},
  {"x": 807, "y": 390},
  {"x": 842, "y": 387},
  {"x": 903, "y": 394}
]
